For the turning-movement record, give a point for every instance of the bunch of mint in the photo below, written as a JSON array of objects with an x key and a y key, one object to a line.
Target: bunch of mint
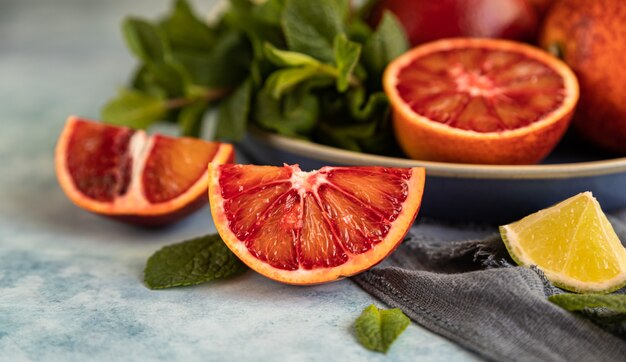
[{"x": 299, "y": 68}]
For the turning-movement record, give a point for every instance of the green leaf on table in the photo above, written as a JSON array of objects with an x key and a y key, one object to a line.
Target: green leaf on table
[
  {"x": 134, "y": 109},
  {"x": 376, "y": 329},
  {"x": 190, "y": 119},
  {"x": 387, "y": 43},
  {"x": 580, "y": 302},
  {"x": 295, "y": 114},
  {"x": 234, "y": 113},
  {"x": 286, "y": 58},
  {"x": 144, "y": 39},
  {"x": 347, "y": 54},
  {"x": 183, "y": 29},
  {"x": 285, "y": 79},
  {"x": 191, "y": 262},
  {"x": 310, "y": 27}
]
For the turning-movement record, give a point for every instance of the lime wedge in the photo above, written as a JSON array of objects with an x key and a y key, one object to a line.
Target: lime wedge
[{"x": 573, "y": 243}]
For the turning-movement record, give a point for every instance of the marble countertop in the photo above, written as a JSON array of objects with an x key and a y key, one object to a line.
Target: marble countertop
[{"x": 71, "y": 282}]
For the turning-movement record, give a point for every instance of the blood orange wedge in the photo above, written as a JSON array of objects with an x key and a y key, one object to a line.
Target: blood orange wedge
[
  {"x": 480, "y": 101},
  {"x": 313, "y": 227},
  {"x": 128, "y": 175}
]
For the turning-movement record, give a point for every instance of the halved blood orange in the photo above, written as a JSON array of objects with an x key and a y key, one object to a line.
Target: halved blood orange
[
  {"x": 128, "y": 175},
  {"x": 480, "y": 101},
  {"x": 313, "y": 227}
]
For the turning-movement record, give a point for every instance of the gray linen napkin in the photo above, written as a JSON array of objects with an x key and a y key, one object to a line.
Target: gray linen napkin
[{"x": 472, "y": 293}]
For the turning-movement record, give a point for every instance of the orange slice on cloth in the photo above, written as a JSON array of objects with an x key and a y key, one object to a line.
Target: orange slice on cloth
[
  {"x": 313, "y": 227},
  {"x": 480, "y": 101},
  {"x": 134, "y": 177}
]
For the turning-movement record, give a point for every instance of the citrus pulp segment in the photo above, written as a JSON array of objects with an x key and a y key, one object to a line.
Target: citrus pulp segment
[
  {"x": 313, "y": 227},
  {"x": 480, "y": 101},
  {"x": 573, "y": 243},
  {"x": 126, "y": 174}
]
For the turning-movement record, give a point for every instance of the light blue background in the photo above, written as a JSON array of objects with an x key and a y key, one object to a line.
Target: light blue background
[{"x": 71, "y": 282}]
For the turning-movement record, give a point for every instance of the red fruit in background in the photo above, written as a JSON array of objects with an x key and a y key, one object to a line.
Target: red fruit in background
[
  {"x": 541, "y": 6},
  {"x": 426, "y": 20},
  {"x": 590, "y": 36}
]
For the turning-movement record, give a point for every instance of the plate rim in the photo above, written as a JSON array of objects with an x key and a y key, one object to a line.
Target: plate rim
[{"x": 321, "y": 152}]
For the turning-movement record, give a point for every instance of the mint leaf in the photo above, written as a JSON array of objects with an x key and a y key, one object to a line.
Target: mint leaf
[
  {"x": 144, "y": 40},
  {"x": 347, "y": 55},
  {"x": 184, "y": 30},
  {"x": 226, "y": 65},
  {"x": 363, "y": 109},
  {"x": 260, "y": 22},
  {"x": 295, "y": 114},
  {"x": 387, "y": 43},
  {"x": 376, "y": 329},
  {"x": 366, "y": 137},
  {"x": 310, "y": 26},
  {"x": 134, "y": 109},
  {"x": 367, "y": 127},
  {"x": 285, "y": 58},
  {"x": 190, "y": 119},
  {"x": 285, "y": 79},
  {"x": 144, "y": 80},
  {"x": 191, "y": 262},
  {"x": 234, "y": 113},
  {"x": 579, "y": 302},
  {"x": 166, "y": 76}
]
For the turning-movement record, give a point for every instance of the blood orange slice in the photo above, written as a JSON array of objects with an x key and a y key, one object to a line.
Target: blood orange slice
[
  {"x": 480, "y": 101},
  {"x": 313, "y": 227},
  {"x": 128, "y": 175}
]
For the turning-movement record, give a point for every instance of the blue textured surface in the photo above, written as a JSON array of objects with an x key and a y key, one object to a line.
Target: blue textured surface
[{"x": 71, "y": 282}]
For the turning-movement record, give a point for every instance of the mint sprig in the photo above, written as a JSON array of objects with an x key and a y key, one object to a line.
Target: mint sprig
[
  {"x": 376, "y": 329},
  {"x": 191, "y": 262},
  {"x": 304, "y": 69}
]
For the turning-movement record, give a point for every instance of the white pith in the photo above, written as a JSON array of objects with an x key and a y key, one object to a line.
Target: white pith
[
  {"x": 300, "y": 180},
  {"x": 473, "y": 83},
  {"x": 140, "y": 146}
]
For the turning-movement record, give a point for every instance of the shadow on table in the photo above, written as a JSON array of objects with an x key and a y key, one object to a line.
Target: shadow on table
[{"x": 37, "y": 201}]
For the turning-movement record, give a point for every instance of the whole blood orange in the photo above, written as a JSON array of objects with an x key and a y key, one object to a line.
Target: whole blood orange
[
  {"x": 313, "y": 227},
  {"x": 133, "y": 177},
  {"x": 428, "y": 20},
  {"x": 591, "y": 38},
  {"x": 479, "y": 101},
  {"x": 541, "y": 6}
]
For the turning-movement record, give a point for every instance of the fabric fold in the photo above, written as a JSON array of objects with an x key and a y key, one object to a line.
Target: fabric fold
[{"x": 472, "y": 293}]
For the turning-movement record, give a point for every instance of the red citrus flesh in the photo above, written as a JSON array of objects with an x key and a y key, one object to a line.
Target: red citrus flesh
[
  {"x": 480, "y": 101},
  {"x": 126, "y": 174},
  {"x": 480, "y": 89},
  {"x": 313, "y": 227}
]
